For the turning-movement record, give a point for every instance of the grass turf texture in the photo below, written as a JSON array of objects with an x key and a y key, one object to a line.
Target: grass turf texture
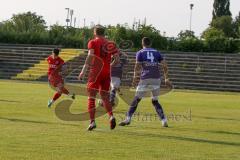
[{"x": 29, "y": 130}]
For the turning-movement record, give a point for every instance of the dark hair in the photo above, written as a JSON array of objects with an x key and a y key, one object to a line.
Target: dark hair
[
  {"x": 146, "y": 42},
  {"x": 100, "y": 30},
  {"x": 56, "y": 51}
]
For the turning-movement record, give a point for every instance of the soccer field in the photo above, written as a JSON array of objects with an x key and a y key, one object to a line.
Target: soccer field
[{"x": 202, "y": 125}]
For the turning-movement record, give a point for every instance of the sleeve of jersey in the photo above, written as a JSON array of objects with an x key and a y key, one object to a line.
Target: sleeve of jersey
[
  {"x": 48, "y": 60},
  {"x": 62, "y": 62},
  {"x": 139, "y": 57},
  {"x": 91, "y": 45}
]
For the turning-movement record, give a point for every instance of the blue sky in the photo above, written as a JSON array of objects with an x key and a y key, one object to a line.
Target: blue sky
[{"x": 170, "y": 16}]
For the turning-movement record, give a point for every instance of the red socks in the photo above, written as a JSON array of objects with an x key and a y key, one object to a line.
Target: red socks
[
  {"x": 65, "y": 91},
  {"x": 106, "y": 102},
  {"x": 91, "y": 108},
  {"x": 56, "y": 96}
]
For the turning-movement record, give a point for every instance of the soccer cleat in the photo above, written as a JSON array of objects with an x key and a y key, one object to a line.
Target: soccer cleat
[
  {"x": 164, "y": 123},
  {"x": 73, "y": 96},
  {"x": 112, "y": 123},
  {"x": 92, "y": 126},
  {"x": 124, "y": 123},
  {"x": 50, "y": 102}
]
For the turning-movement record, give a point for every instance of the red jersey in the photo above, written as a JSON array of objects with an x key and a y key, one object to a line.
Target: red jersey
[
  {"x": 103, "y": 50},
  {"x": 54, "y": 65}
]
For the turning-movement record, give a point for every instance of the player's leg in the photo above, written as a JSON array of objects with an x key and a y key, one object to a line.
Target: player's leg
[
  {"x": 92, "y": 89},
  {"x": 158, "y": 107},
  {"x": 115, "y": 84},
  {"x": 92, "y": 92},
  {"x": 104, "y": 93},
  {"x": 140, "y": 93},
  {"x": 53, "y": 84},
  {"x": 66, "y": 92},
  {"x": 131, "y": 111},
  {"x": 58, "y": 85},
  {"x": 63, "y": 89},
  {"x": 56, "y": 96}
]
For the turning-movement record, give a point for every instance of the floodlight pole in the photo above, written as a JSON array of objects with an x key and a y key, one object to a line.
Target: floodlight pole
[
  {"x": 191, "y": 8},
  {"x": 71, "y": 15},
  {"x": 84, "y": 22},
  {"x": 68, "y": 12},
  {"x": 75, "y": 20}
]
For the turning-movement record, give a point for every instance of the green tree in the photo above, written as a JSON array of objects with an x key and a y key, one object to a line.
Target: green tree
[
  {"x": 211, "y": 33},
  {"x": 224, "y": 23},
  {"x": 117, "y": 33},
  {"x": 158, "y": 41},
  {"x": 221, "y": 8},
  {"x": 236, "y": 25},
  {"x": 27, "y": 22},
  {"x": 186, "y": 34},
  {"x": 56, "y": 34}
]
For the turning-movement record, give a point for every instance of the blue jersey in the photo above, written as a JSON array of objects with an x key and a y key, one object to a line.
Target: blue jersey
[
  {"x": 150, "y": 59},
  {"x": 117, "y": 70}
]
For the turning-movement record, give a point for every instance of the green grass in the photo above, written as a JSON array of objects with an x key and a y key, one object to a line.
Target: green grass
[{"x": 29, "y": 130}]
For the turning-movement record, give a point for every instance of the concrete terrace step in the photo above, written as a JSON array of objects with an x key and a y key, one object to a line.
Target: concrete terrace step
[
  {"x": 206, "y": 81},
  {"x": 186, "y": 70},
  {"x": 210, "y": 76},
  {"x": 34, "y": 73}
]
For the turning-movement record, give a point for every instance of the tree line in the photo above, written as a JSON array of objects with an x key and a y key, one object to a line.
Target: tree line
[{"x": 221, "y": 36}]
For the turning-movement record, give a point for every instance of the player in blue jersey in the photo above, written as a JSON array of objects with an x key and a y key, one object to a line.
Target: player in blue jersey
[
  {"x": 116, "y": 76},
  {"x": 147, "y": 64}
]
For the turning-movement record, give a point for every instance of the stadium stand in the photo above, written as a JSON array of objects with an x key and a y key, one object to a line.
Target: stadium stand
[
  {"x": 17, "y": 58},
  {"x": 198, "y": 71}
]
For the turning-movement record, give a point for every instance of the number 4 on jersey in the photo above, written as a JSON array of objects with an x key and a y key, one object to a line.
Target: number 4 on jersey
[{"x": 150, "y": 56}]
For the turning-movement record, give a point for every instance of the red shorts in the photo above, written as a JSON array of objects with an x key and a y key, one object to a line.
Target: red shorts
[
  {"x": 102, "y": 83},
  {"x": 56, "y": 81}
]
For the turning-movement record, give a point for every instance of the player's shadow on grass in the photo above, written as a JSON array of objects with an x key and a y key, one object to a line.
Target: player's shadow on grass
[
  {"x": 200, "y": 130},
  {"x": 180, "y": 138},
  {"x": 224, "y": 132},
  {"x": 216, "y": 118},
  {"x": 8, "y": 101},
  {"x": 36, "y": 122}
]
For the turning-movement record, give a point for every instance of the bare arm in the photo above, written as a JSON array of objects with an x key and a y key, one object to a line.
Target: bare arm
[
  {"x": 87, "y": 63},
  {"x": 137, "y": 72},
  {"x": 165, "y": 69},
  {"x": 165, "y": 73},
  {"x": 116, "y": 59}
]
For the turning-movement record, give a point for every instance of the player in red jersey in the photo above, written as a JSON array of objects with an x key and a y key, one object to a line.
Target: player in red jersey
[
  {"x": 55, "y": 77},
  {"x": 101, "y": 51}
]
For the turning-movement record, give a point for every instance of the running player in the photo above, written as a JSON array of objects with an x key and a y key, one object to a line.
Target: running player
[
  {"x": 100, "y": 53},
  {"x": 54, "y": 76},
  {"x": 147, "y": 63}
]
